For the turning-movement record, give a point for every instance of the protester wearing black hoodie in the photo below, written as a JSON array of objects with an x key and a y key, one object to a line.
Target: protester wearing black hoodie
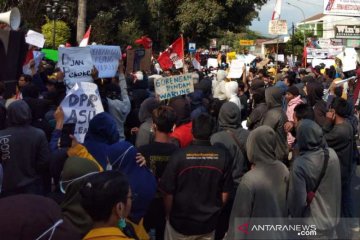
[
  {"x": 315, "y": 92},
  {"x": 276, "y": 119},
  {"x": 24, "y": 152}
]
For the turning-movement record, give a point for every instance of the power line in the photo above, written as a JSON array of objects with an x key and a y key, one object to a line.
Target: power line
[{"x": 314, "y": 4}]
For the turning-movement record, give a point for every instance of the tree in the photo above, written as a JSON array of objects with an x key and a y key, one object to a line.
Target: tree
[
  {"x": 81, "y": 21},
  {"x": 298, "y": 39},
  {"x": 62, "y": 33}
]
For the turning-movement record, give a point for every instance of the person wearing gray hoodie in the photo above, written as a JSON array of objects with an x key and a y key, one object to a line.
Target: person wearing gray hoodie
[
  {"x": 262, "y": 190},
  {"x": 24, "y": 152},
  {"x": 276, "y": 119},
  {"x": 323, "y": 207}
]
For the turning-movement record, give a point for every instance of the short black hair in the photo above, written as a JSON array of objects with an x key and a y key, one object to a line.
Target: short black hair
[
  {"x": 304, "y": 111},
  {"x": 164, "y": 117},
  {"x": 26, "y": 77},
  {"x": 341, "y": 107},
  {"x": 203, "y": 126},
  {"x": 101, "y": 192}
]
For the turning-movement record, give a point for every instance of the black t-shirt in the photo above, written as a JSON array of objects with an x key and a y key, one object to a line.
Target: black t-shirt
[
  {"x": 157, "y": 156},
  {"x": 197, "y": 176}
]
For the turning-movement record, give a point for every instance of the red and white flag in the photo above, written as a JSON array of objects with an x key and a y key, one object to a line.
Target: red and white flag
[
  {"x": 196, "y": 61},
  {"x": 277, "y": 10},
  {"x": 85, "y": 41},
  {"x": 173, "y": 55},
  {"x": 27, "y": 62}
]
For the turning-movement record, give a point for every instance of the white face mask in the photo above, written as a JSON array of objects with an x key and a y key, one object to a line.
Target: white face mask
[{"x": 63, "y": 190}]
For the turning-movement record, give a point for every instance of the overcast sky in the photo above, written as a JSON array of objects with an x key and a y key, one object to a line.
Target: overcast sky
[{"x": 289, "y": 13}]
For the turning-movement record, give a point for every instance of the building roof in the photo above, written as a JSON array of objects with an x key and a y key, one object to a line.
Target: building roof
[{"x": 314, "y": 18}]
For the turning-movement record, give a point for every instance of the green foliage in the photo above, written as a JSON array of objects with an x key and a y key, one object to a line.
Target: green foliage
[
  {"x": 129, "y": 32},
  {"x": 103, "y": 28},
  {"x": 62, "y": 33},
  {"x": 298, "y": 39}
]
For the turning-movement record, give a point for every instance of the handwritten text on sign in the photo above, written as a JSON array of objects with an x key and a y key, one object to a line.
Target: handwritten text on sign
[
  {"x": 106, "y": 59},
  {"x": 170, "y": 87},
  {"x": 76, "y": 63},
  {"x": 80, "y": 105}
]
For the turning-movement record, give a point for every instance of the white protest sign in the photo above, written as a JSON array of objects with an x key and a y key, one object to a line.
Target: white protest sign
[
  {"x": 34, "y": 38},
  {"x": 80, "y": 105},
  {"x": 278, "y": 27},
  {"x": 236, "y": 69},
  {"x": 106, "y": 59},
  {"x": 212, "y": 62},
  {"x": 280, "y": 57},
  {"x": 76, "y": 64},
  {"x": 348, "y": 58},
  {"x": 173, "y": 86},
  {"x": 328, "y": 62}
]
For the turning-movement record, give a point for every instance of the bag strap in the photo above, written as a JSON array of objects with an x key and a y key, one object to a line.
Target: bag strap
[
  {"x": 323, "y": 170},
  {"x": 235, "y": 138}
]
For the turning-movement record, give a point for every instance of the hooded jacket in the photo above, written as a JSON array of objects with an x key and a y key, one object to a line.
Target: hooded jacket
[
  {"x": 262, "y": 190},
  {"x": 260, "y": 108},
  {"x": 324, "y": 210},
  {"x": 218, "y": 85},
  {"x": 74, "y": 175},
  {"x": 276, "y": 119},
  {"x": 290, "y": 115},
  {"x": 315, "y": 92},
  {"x": 24, "y": 149},
  {"x": 101, "y": 134},
  {"x": 142, "y": 182},
  {"x": 26, "y": 216},
  {"x": 120, "y": 109},
  {"x": 230, "y": 127},
  {"x": 144, "y": 135},
  {"x": 231, "y": 92}
]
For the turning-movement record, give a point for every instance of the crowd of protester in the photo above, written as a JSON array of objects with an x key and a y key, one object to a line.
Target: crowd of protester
[{"x": 276, "y": 143}]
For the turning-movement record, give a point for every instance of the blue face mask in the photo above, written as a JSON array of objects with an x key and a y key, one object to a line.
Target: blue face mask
[{"x": 69, "y": 182}]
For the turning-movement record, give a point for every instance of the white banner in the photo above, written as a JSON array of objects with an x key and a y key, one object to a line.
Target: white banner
[
  {"x": 212, "y": 62},
  {"x": 106, "y": 59},
  {"x": 76, "y": 63},
  {"x": 173, "y": 86},
  {"x": 342, "y": 7},
  {"x": 80, "y": 105},
  {"x": 278, "y": 27},
  {"x": 328, "y": 62},
  {"x": 35, "y": 39}
]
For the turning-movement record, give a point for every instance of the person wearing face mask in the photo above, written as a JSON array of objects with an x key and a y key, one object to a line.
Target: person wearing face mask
[
  {"x": 107, "y": 198},
  {"x": 73, "y": 176}
]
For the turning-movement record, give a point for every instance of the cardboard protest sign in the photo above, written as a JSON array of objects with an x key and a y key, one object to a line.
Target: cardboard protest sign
[
  {"x": 348, "y": 58},
  {"x": 106, "y": 59},
  {"x": 138, "y": 60},
  {"x": 173, "y": 86},
  {"x": 34, "y": 38},
  {"x": 236, "y": 69},
  {"x": 80, "y": 105},
  {"x": 76, "y": 64},
  {"x": 212, "y": 62}
]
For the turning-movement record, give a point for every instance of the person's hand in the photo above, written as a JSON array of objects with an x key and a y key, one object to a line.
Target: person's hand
[
  {"x": 94, "y": 73},
  {"x": 140, "y": 159},
  {"x": 288, "y": 126},
  {"x": 134, "y": 130},
  {"x": 74, "y": 141},
  {"x": 60, "y": 76},
  {"x": 59, "y": 117}
]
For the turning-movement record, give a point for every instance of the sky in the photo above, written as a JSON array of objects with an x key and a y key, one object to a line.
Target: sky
[{"x": 288, "y": 13}]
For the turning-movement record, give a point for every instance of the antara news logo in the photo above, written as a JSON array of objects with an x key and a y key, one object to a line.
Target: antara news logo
[{"x": 300, "y": 230}]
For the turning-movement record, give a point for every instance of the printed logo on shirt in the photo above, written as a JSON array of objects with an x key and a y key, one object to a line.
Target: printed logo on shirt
[
  {"x": 5, "y": 147},
  {"x": 203, "y": 156}
]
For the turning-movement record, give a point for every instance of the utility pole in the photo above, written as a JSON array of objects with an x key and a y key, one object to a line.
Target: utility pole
[{"x": 293, "y": 42}]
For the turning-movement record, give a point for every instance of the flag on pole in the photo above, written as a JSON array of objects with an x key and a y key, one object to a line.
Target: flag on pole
[
  {"x": 196, "y": 61},
  {"x": 26, "y": 64},
  {"x": 173, "y": 55},
  {"x": 85, "y": 41},
  {"x": 277, "y": 10}
]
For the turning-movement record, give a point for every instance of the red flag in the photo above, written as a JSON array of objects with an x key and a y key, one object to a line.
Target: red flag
[
  {"x": 26, "y": 64},
  {"x": 173, "y": 55},
  {"x": 86, "y": 38},
  {"x": 305, "y": 57},
  {"x": 196, "y": 61},
  {"x": 145, "y": 41}
]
